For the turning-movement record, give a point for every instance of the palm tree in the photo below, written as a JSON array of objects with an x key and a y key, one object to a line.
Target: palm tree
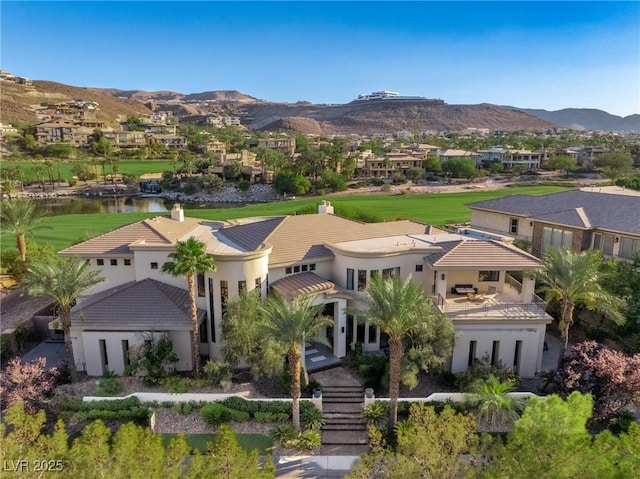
[
  {"x": 402, "y": 311},
  {"x": 20, "y": 217},
  {"x": 573, "y": 278},
  {"x": 63, "y": 280},
  {"x": 291, "y": 324},
  {"x": 492, "y": 402},
  {"x": 191, "y": 258}
]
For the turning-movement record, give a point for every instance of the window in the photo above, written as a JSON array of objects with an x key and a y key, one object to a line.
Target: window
[
  {"x": 349, "y": 278},
  {"x": 372, "y": 334},
  {"x": 390, "y": 272},
  {"x": 312, "y": 267},
  {"x": 200, "y": 285},
  {"x": 103, "y": 355},
  {"x": 472, "y": 352},
  {"x": 495, "y": 353},
  {"x": 203, "y": 331},
  {"x": 305, "y": 267},
  {"x": 296, "y": 269},
  {"x": 127, "y": 262},
  {"x": 629, "y": 247},
  {"x": 374, "y": 273},
  {"x": 258, "y": 282},
  {"x": 154, "y": 265},
  {"x": 489, "y": 276},
  {"x": 362, "y": 279},
  {"x": 288, "y": 270},
  {"x": 125, "y": 352},
  {"x": 211, "y": 304},
  {"x": 113, "y": 262},
  {"x": 100, "y": 262},
  {"x": 418, "y": 268},
  {"x": 556, "y": 238},
  {"x": 242, "y": 286},
  {"x": 513, "y": 225},
  {"x": 517, "y": 353},
  {"x": 224, "y": 295},
  {"x": 603, "y": 242}
]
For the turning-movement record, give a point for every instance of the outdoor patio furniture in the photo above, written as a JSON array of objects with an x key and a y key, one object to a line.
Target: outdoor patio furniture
[{"x": 492, "y": 292}]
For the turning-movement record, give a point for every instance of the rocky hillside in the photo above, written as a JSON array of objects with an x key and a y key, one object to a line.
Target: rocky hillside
[
  {"x": 587, "y": 119},
  {"x": 388, "y": 117},
  {"x": 222, "y": 96},
  {"x": 18, "y": 102}
]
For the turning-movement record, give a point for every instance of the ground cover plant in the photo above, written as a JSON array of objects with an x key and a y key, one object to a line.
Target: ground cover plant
[
  {"x": 436, "y": 209},
  {"x": 248, "y": 442}
]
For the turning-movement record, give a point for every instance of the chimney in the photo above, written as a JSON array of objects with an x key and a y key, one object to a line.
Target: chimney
[
  {"x": 325, "y": 208},
  {"x": 177, "y": 213}
]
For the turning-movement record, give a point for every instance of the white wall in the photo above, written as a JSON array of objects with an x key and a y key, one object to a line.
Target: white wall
[
  {"x": 531, "y": 335},
  {"x": 88, "y": 355},
  {"x": 501, "y": 223},
  {"x": 113, "y": 275}
]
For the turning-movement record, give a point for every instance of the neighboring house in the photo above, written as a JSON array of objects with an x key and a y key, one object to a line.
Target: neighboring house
[
  {"x": 318, "y": 253},
  {"x": 607, "y": 219},
  {"x": 531, "y": 160},
  {"x": 386, "y": 166}
]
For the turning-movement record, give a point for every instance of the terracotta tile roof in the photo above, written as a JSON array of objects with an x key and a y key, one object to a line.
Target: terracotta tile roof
[
  {"x": 481, "y": 255},
  {"x": 147, "y": 304},
  {"x": 302, "y": 237},
  {"x": 158, "y": 230}
]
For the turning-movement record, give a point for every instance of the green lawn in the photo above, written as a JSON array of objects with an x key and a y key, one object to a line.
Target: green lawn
[
  {"x": 436, "y": 209},
  {"x": 130, "y": 167},
  {"x": 248, "y": 442}
]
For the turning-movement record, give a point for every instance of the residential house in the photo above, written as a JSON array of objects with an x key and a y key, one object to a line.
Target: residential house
[
  {"x": 331, "y": 257},
  {"x": 385, "y": 166},
  {"x": 607, "y": 219},
  {"x": 531, "y": 160}
]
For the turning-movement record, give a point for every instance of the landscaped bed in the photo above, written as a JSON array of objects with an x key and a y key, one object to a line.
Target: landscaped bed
[{"x": 248, "y": 442}]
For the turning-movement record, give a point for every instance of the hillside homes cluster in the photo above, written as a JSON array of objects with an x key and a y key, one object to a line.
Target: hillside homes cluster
[{"x": 472, "y": 279}]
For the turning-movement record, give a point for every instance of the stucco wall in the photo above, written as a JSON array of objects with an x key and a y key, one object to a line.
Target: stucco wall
[{"x": 501, "y": 223}]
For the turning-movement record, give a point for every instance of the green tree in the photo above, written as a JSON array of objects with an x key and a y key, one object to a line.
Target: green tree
[
  {"x": 232, "y": 171},
  {"x": 567, "y": 163},
  {"x": 20, "y": 218},
  {"x": 38, "y": 252},
  {"x": 287, "y": 182},
  {"x": 402, "y": 311},
  {"x": 102, "y": 146},
  {"x": 429, "y": 446},
  {"x": 614, "y": 165},
  {"x": 461, "y": 168},
  {"x": 63, "y": 281},
  {"x": 572, "y": 279},
  {"x": 189, "y": 259},
  {"x": 290, "y": 324},
  {"x": 83, "y": 171}
]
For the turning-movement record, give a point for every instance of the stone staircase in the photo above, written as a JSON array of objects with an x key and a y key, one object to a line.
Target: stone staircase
[{"x": 345, "y": 431}]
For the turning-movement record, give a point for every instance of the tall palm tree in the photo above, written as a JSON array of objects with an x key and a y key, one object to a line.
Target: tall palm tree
[
  {"x": 291, "y": 324},
  {"x": 63, "y": 280},
  {"x": 572, "y": 279},
  {"x": 20, "y": 217},
  {"x": 402, "y": 311},
  {"x": 189, "y": 259}
]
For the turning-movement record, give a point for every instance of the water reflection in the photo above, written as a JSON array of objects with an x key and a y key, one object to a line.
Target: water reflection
[{"x": 123, "y": 204}]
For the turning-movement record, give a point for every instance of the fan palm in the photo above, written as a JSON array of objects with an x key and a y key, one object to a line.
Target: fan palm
[
  {"x": 573, "y": 278},
  {"x": 492, "y": 402},
  {"x": 63, "y": 280},
  {"x": 402, "y": 311},
  {"x": 20, "y": 217},
  {"x": 291, "y": 323},
  {"x": 191, "y": 258}
]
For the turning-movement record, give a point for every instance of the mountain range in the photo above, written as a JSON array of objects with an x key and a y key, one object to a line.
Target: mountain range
[{"x": 18, "y": 103}]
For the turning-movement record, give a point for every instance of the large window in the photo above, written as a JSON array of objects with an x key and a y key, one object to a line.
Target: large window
[
  {"x": 390, "y": 272},
  {"x": 224, "y": 295},
  {"x": 556, "y": 238},
  {"x": 200, "y": 281},
  {"x": 629, "y": 247},
  {"x": 212, "y": 318},
  {"x": 362, "y": 279},
  {"x": 488, "y": 275},
  {"x": 603, "y": 242},
  {"x": 349, "y": 278}
]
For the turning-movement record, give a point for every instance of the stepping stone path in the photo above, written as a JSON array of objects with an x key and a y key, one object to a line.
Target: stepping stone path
[{"x": 345, "y": 431}]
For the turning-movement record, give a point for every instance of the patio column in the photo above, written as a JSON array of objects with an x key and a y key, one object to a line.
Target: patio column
[
  {"x": 441, "y": 284},
  {"x": 528, "y": 288}
]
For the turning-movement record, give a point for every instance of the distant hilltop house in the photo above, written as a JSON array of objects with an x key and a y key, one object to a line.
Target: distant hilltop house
[
  {"x": 392, "y": 95},
  {"x": 469, "y": 277}
]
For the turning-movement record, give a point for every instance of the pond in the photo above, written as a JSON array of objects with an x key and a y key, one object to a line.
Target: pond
[{"x": 113, "y": 204}]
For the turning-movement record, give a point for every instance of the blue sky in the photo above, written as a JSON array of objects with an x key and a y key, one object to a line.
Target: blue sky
[{"x": 548, "y": 55}]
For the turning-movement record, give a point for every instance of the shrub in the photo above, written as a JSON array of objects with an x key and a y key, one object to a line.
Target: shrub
[
  {"x": 175, "y": 384},
  {"x": 621, "y": 422},
  {"x": 109, "y": 385},
  {"x": 215, "y": 413},
  {"x": 241, "y": 404},
  {"x": 481, "y": 369},
  {"x": 376, "y": 413},
  {"x": 310, "y": 416},
  {"x": 239, "y": 416},
  {"x": 155, "y": 359},
  {"x": 78, "y": 405},
  {"x": 309, "y": 439},
  {"x": 219, "y": 373},
  {"x": 283, "y": 433},
  {"x": 265, "y": 417}
]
